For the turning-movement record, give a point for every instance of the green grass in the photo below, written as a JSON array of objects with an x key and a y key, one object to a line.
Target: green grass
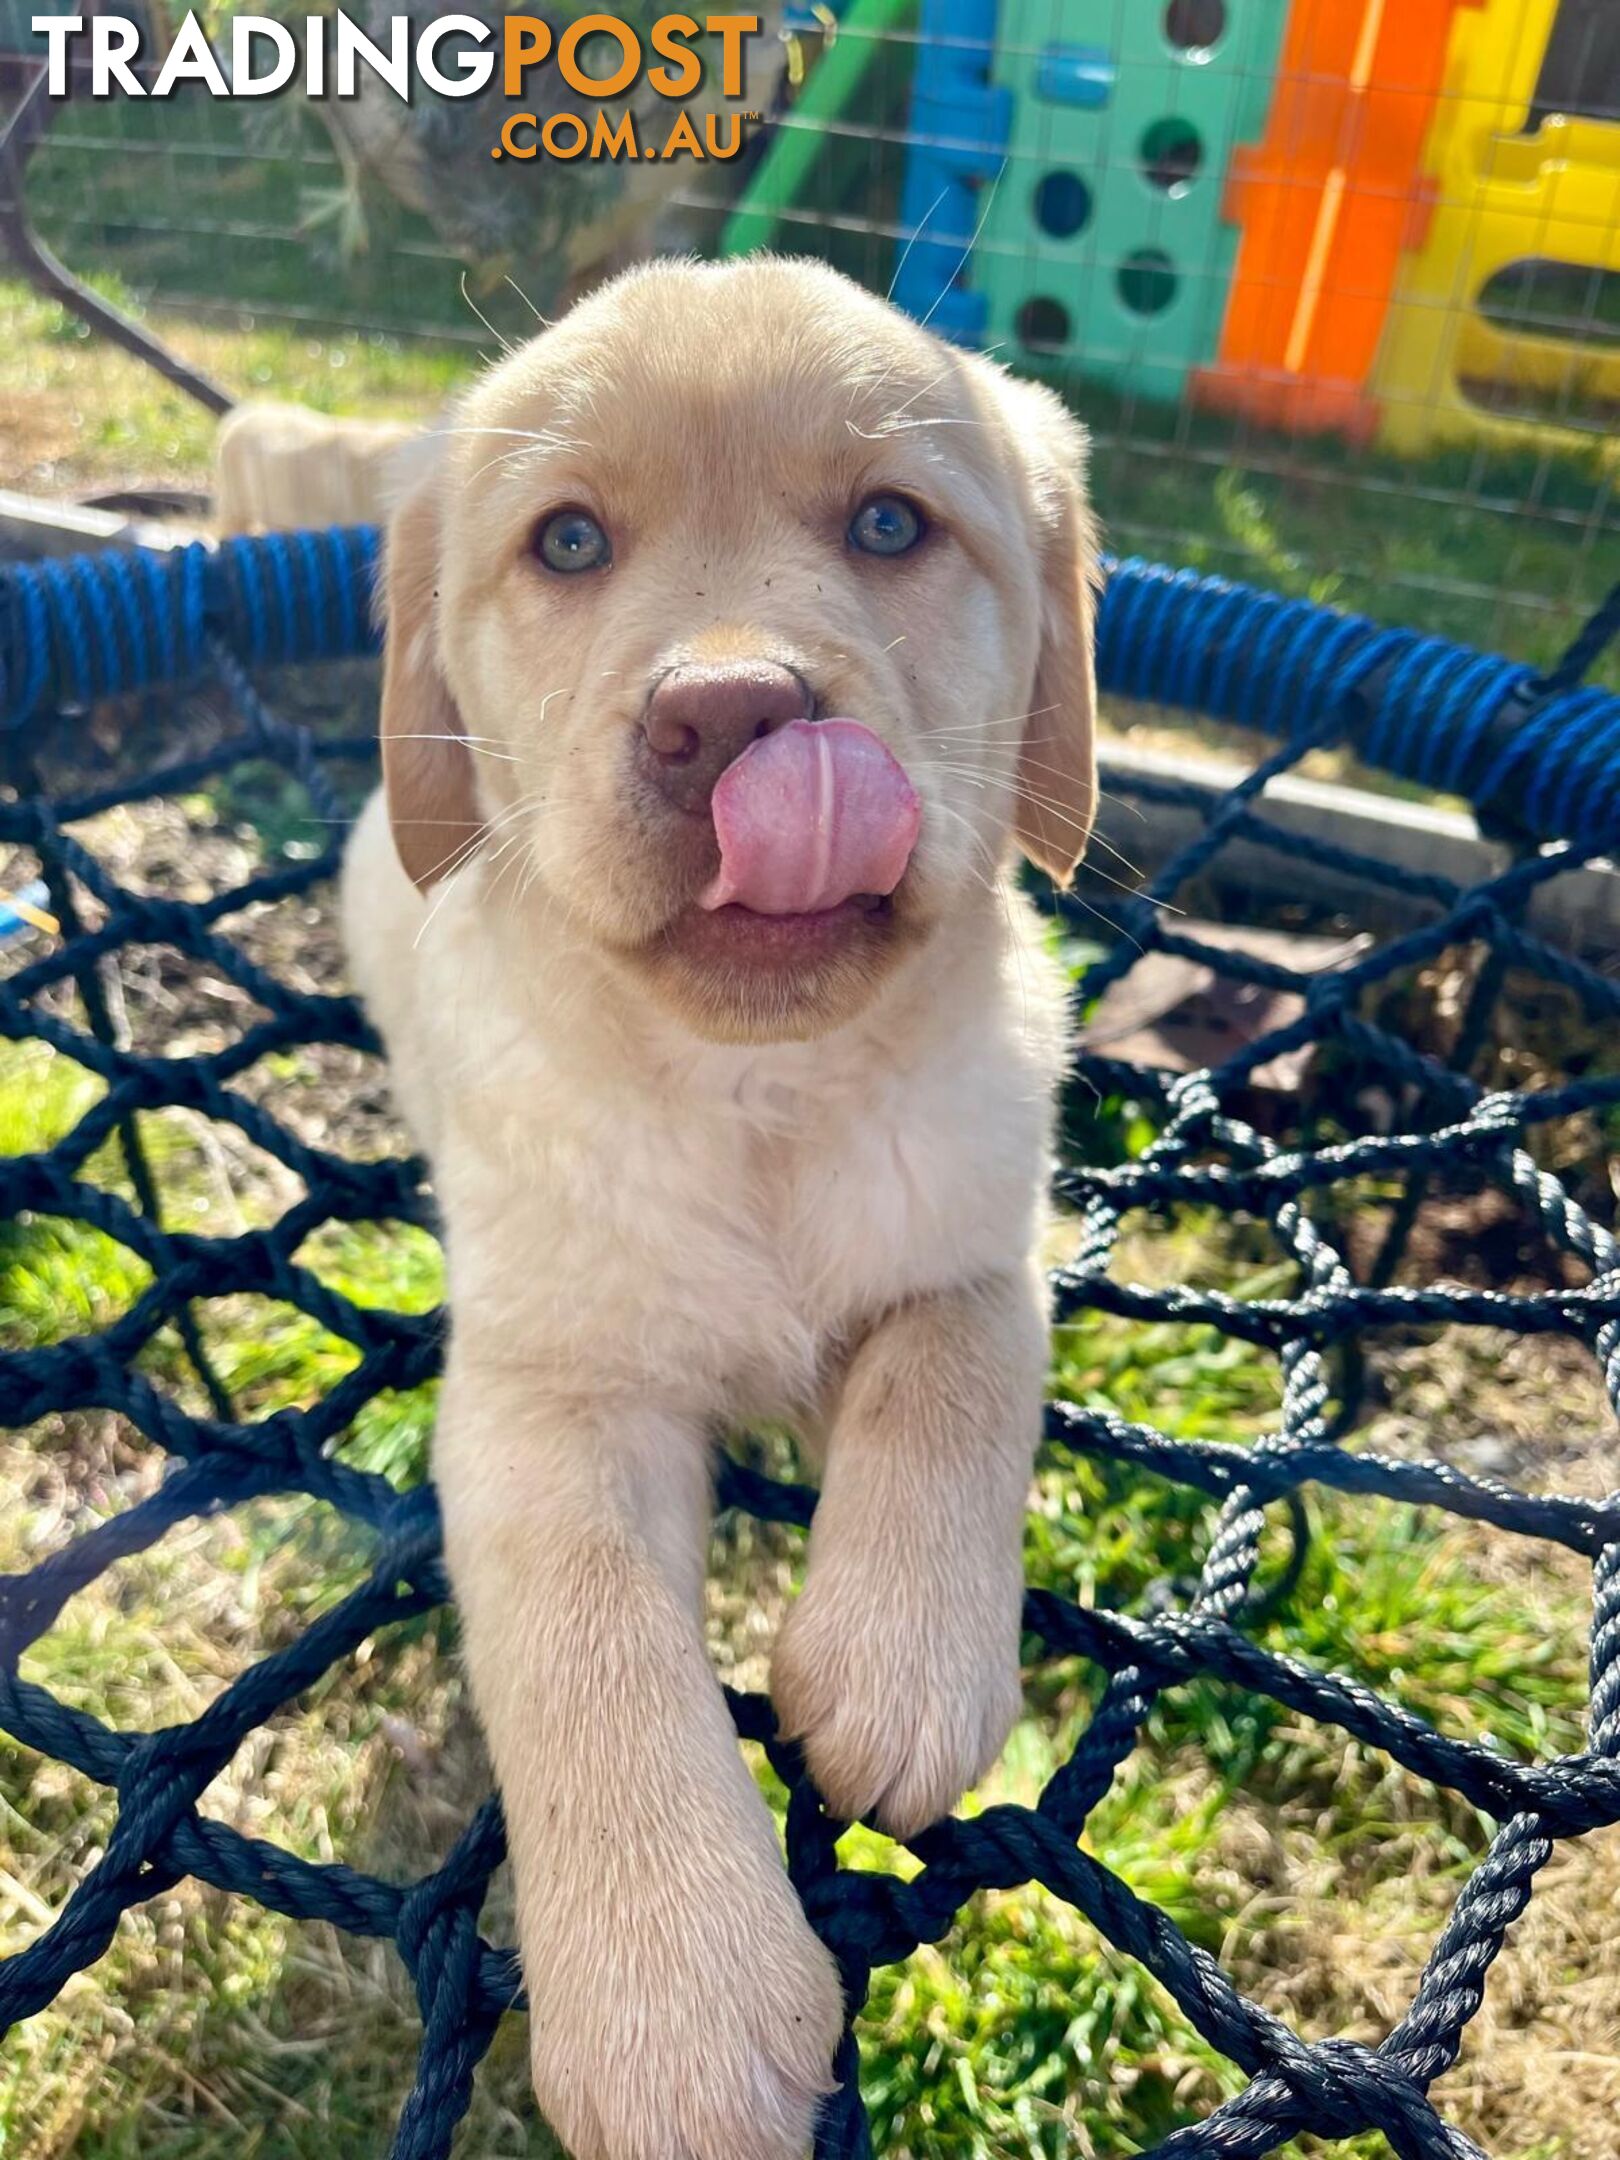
[
  {"x": 194, "y": 198},
  {"x": 1509, "y": 551},
  {"x": 1020, "y": 2034},
  {"x": 1554, "y": 299},
  {"x": 78, "y": 417}
]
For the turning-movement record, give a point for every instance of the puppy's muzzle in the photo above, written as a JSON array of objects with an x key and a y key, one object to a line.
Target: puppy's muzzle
[{"x": 699, "y": 720}]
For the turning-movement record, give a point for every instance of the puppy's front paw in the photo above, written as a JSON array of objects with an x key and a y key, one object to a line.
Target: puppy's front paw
[
  {"x": 693, "y": 2017},
  {"x": 900, "y": 1705}
]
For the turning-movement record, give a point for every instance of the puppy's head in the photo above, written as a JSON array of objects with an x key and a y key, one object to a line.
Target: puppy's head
[{"x": 749, "y": 624}]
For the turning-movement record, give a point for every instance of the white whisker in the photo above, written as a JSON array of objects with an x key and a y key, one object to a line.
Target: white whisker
[
  {"x": 905, "y": 253},
  {"x": 542, "y": 320},
  {"x": 474, "y": 742},
  {"x": 504, "y": 343},
  {"x": 989, "y": 205},
  {"x": 1059, "y": 814}
]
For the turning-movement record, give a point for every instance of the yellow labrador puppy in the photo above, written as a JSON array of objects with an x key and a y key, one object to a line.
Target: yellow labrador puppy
[{"x": 742, "y": 630}]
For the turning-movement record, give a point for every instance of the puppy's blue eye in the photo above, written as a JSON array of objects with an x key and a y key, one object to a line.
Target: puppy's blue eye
[
  {"x": 572, "y": 540},
  {"x": 885, "y": 525}
]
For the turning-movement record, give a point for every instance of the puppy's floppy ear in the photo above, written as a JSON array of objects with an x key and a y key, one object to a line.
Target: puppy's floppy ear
[
  {"x": 427, "y": 762},
  {"x": 1057, "y": 769}
]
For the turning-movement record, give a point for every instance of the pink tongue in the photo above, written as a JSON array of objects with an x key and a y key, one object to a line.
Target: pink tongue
[{"x": 808, "y": 816}]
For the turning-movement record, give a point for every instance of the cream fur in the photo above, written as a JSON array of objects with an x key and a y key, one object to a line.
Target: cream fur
[
  {"x": 279, "y": 467},
  {"x": 669, "y": 1208}
]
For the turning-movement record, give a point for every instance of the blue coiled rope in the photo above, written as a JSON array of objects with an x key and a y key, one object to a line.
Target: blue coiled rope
[
  {"x": 87, "y": 627},
  {"x": 1543, "y": 758},
  {"x": 1540, "y": 757}
]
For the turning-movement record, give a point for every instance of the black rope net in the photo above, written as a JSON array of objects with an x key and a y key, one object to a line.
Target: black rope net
[{"x": 1389, "y": 1115}]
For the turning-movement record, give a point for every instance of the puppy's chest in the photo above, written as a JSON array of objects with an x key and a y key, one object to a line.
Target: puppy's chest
[
  {"x": 837, "y": 1216},
  {"x": 850, "y": 1214}
]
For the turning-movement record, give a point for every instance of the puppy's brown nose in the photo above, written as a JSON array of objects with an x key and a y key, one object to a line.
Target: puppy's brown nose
[{"x": 701, "y": 719}]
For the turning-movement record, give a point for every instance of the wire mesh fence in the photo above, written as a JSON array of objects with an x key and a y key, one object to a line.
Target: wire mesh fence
[{"x": 1336, "y": 284}]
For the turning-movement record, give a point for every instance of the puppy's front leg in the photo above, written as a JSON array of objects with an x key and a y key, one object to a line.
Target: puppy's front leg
[
  {"x": 898, "y": 1666},
  {"x": 680, "y": 2007}
]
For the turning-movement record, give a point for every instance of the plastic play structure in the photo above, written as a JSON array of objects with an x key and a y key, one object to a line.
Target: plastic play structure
[
  {"x": 1503, "y": 194},
  {"x": 1325, "y": 210},
  {"x": 1293, "y": 210},
  {"x": 1104, "y": 235}
]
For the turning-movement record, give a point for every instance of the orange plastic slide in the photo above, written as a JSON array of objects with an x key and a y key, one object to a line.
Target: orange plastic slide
[{"x": 1327, "y": 202}]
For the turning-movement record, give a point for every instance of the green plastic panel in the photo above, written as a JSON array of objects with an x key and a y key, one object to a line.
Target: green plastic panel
[{"x": 1104, "y": 253}]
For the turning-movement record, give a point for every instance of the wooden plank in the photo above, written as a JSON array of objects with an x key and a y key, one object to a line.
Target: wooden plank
[{"x": 1580, "y": 911}]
